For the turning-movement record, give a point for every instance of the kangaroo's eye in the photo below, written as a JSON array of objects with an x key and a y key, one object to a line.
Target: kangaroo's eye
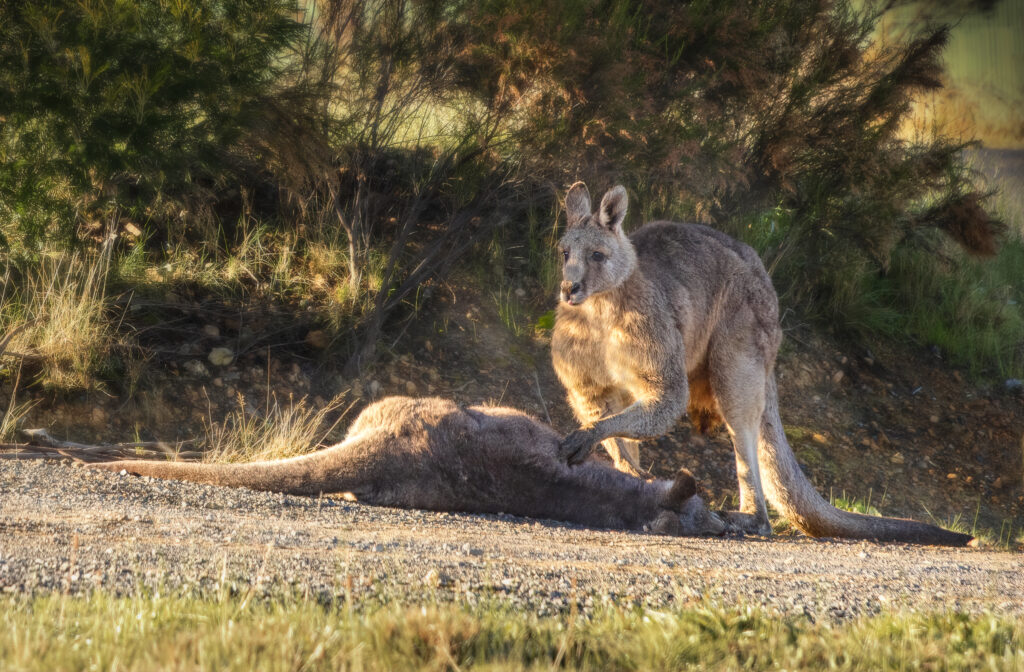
[
  {"x": 597, "y": 256},
  {"x": 565, "y": 255}
]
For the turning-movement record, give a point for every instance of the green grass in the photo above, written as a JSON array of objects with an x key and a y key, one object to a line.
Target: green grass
[
  {"x": 152, "y": 632},
  {"x": 972, "y": 310},
  {"x": 855, "y": 505}
]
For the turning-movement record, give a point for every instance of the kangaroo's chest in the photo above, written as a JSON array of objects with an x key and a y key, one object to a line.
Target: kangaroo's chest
[{"x": 598, "y": 355}]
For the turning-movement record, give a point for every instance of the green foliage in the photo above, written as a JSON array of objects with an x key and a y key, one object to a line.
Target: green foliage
[
  {"x": 167, "y": 632},
  {"x": 855, "y": 504},
  {"x": 970, "y": 310},
  {"x": 108, "y": 105},
  {"x": 380, "y": 143}
]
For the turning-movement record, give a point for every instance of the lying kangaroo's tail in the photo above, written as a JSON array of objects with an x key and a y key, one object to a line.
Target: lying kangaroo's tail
[
  {"x": 304, "y": 475},
  {"x": 792, "y": 494}
]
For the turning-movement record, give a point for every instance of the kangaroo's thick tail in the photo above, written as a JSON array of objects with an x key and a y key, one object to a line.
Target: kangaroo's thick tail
[
  {"x": 789, "y": 491},
  {"x": 304, "y": 475}
]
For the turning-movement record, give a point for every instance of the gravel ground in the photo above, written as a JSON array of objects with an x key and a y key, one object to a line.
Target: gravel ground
[{"x": 67, "y": 528}]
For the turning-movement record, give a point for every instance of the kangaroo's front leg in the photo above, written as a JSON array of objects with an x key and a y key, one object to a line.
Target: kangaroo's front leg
[{"x": 640, "y": 420}]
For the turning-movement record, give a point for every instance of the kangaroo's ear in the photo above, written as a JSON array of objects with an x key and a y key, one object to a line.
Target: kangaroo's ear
[
  {"x": 613, "y": 208},
  {"x": 684, "y": 487},
  {"x": 577, "y": 204}
]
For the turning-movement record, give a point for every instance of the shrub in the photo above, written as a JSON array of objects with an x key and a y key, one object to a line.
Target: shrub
[{"x": 108, "y": 105}]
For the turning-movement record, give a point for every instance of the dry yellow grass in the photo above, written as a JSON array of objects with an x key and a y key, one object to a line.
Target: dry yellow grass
[
  {"x": 284, "y": 430},
  {"x": 61, "y": 312}
]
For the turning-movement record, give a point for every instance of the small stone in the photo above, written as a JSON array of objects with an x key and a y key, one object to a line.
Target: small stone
[
  {"x": 221, "y": 356},
  {"x": 218, "y": 382},
  {"x": 98, "y": 415},
  {"x": 317, "y": 338},
  {"x": 819, "y": 438},
  {"x": 410, "y": 388},
  {"x": 934, "y": 418},
  {"x": 951, "y": 476},
  {"x": 196, "y": 368},
  {"x": 373, "y": 388},
  {"x": 897, "y": 458},
  {"x": 837, "y": 377},
  {"x": 211, "y": 331},
  {"x": 437, "y": 579}
]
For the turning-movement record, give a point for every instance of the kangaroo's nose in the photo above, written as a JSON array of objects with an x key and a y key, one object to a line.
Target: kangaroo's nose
[{"x": 570, "y": 290}]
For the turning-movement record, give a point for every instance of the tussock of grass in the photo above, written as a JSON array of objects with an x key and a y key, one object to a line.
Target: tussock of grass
[
  {"x": 15, "y": 412},
  {"x": 61, "y": 306},
  {"x": 284, "y": 430},
  {"x": 854, "y": 504},
  {"x": 157, "y": 633}
]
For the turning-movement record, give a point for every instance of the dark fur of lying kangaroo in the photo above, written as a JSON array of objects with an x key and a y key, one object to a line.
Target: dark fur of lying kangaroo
[
  {"x": 433, "y": 454},
  {"x": 679, "y": 316}
]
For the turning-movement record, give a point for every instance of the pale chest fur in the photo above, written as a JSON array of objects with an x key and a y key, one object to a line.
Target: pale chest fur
[{"x": 598, "y": 352}]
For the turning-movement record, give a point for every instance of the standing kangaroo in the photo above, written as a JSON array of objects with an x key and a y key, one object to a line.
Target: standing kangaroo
[
  {"x": 433, "y": 454},
  {"x": 682, "y": 317}
]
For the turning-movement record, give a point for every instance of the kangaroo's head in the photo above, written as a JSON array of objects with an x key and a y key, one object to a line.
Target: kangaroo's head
[
  {"x": 684, "y": 514},
  {"x": 596, "y": 254}
]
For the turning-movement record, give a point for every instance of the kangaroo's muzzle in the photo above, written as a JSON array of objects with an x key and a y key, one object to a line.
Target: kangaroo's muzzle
[{"x": 572, "y": 292}]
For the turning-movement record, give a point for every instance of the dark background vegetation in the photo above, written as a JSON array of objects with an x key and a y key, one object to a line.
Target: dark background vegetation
[{"x": 358, "y": 152}]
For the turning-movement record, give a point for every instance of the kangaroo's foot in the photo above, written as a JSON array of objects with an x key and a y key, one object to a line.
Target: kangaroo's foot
[
  {"x": 749, "y": 523},
  {"x": 576, "y": 447}
]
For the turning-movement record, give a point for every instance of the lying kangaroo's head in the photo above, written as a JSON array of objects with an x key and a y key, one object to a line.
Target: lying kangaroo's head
[
  {"x": 596, "y": 254},
  {"x": 684, "y": 514}
]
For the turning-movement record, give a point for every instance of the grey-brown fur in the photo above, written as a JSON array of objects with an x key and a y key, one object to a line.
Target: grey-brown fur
[
  {"x": 433, "y": 454},
  {"x": 681, "y": 317}
]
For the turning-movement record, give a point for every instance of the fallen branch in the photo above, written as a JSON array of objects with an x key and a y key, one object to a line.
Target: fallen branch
[{"x": 41, "y": 445}]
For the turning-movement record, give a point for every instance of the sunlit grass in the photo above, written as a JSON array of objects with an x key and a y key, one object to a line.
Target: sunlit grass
[
  {"x": 855, "y": 504},
  {"x": 62, "y": 314},
  {"x": 281, "y": 430},
  {"x": 235, "y": 633}
]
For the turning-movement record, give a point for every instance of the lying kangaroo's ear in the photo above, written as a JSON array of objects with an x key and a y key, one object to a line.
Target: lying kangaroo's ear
[
  {"x": 613, "y": 209},
  {"x": 684, "y": 487},
  {"x": 577, "y": 204}
]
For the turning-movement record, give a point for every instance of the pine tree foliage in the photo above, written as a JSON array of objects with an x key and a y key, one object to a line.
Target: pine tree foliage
[{"x": 109, "y": 103}]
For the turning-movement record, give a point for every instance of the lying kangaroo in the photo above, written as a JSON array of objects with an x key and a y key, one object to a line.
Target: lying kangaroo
[
  {"x": 677, "y": 317},
  {"x": 433, "y": 454}
]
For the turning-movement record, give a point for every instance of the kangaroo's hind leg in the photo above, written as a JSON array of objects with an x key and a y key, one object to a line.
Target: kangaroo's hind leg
[
  {"x": 592, "y": 405},
  {"x": 625, "y": 454},
  {"x": 738, "y": 384}
]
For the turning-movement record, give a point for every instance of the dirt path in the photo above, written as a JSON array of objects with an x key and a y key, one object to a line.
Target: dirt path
[{"x": 64, "y": 527}]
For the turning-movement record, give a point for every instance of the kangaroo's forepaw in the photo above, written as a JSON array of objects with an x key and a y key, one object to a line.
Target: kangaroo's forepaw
[
  {"x": 576, "y": 447},
  {"x": 749, "y": 523}
]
